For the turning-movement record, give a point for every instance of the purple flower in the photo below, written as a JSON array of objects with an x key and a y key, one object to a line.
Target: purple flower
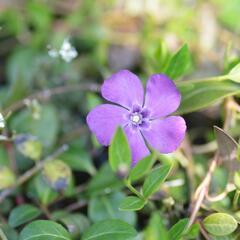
[{"x": 142, "y": 120}]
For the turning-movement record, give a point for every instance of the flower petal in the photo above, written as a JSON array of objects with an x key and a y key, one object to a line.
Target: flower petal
[
  {"x": 137, "y": 144},
  {"x": 123, "y": 88},
  {"x": 165, "y": 135},
  {"x": 162, "y": 96},
  {"x": 103, "y": 121}
]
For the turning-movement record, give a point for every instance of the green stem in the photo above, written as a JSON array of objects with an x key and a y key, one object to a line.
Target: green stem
[
  {"x": 211, "y": 79},
  {"x": 133, "y": 190},
  {"x": 235, "y": 199}
]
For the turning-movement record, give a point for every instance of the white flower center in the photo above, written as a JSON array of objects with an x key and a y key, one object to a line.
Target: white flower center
[{"x": 136, "y": 118}]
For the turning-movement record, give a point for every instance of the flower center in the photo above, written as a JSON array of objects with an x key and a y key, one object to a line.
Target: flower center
[{"x": 136, "y": 118}]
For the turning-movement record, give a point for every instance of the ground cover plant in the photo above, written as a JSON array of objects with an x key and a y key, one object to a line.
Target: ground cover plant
[{"x": 119, "y": 120}]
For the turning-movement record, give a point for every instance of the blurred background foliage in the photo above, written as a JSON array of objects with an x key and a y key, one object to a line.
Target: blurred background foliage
[{"x": 108, "y": 35}]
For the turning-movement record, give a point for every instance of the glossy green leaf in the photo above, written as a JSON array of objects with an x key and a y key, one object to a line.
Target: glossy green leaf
[
  {"x": 40, "y": 15},
  {"x": 199, "y": 95},
  {"x": 234, "y": 74},
  {"x": 104, "y": 181},
  {"x": 9, "y": 232},
  {"x": 16, "y": 91},
  {"x": 44, "y": 193},
  {"x": 57, "y": 174},
  {"x": 220, "y": 224},
  {"x": 193, "y": 231},
  {"x": 109, "y": 230},
  {"x": 23, "y": 214},
  {"x": 228, "y": 237},
  {"x": 92, "y": 100},
  {"x": 4, "y": 157},
  {"x": 155, "y": 55},
  {"x": 76, "y": 223},
  {"x": 141, "y": 168},
  {"x": 229, "y": 14},
  {"x": 156, "y": 229},
  {"x": 107, "y": 207},
  {"x": 132, "y": 203},
  {"x": 155, "y": 179},
  {"x": 179, "y": 63},
  {"x": 7, "y": 177},
  {"x": 79, "y": 160},
  {"x": 236, "y": 179},
  {"x": 43, "y": 230},
  {"x": 20, "y": 71},
  {"x": 23, "y": 122},
  {"x": 178, "y": 229},
  {"x": 77, "y": 156},
  {"x": 119, "y": 152},
  {"x": 29, "y": 146}
]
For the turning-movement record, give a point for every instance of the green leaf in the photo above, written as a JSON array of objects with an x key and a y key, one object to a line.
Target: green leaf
[
  {"x": 177, "y": 230},
  {"x": 155, "y": 179},
  {"x": 23, "y": 122},
  {"x": 220, "y": 224},
  {"x": 104, "y": 181},
  {"x": 155, "y": 55},
  {"x": 234, "y": 74},
  {"x": 29, "y": 146},
  {"x": 229, "y": 14},
  {"x": 202, "y": 94},
  {"x": 4, "y": 157},
  {"x": 7, "y": 177},
  {"x": 22, "y": 64},
  {"x": 107, "y": 207},
  {"x": 76, "y": 223},
  {"x": 109, "y": 230},
  {"x": 44, "y": 192},
  {"x": 9, "y": 232},
  {"x": 236, "y": 179},
  {"x": 193, "y": 232},
  {"x": 57, "y": 174},
  {"x": 39, "y": 15},
  {"x": 92, "y": 101},
  {"x": 156, "y": 229},
  {"x": 23, "y": 214},
  {"x": 79, "y": 160},
  {"x": 179, "y": 63},
  {"x": 131, "y": 204},
  {"x": 119, "y": 152},
  {"x": 228, "y": 237},
  {"x": 141, "y": 168},
  {"x": 43, "y": 230},
  {"x": 77, "y": 157}
]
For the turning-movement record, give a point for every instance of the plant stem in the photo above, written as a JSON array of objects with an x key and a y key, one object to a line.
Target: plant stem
[
  {"x": 133, "y": 190},
  {"x": 235, "y": 199},
  {"x": 26, "y": 176},
  {"x": 210, "y": 79},
  {"x": 202, "y": 190},
  {"x": 45, "y": 95},
  {"x": 45, "y": 210}
]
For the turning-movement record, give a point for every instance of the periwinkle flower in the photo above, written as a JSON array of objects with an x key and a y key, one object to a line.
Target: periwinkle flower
[{"x": 143, "y": 120}]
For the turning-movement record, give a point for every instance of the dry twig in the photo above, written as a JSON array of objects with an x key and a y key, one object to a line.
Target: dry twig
[{"x": 27, "y": 175}]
